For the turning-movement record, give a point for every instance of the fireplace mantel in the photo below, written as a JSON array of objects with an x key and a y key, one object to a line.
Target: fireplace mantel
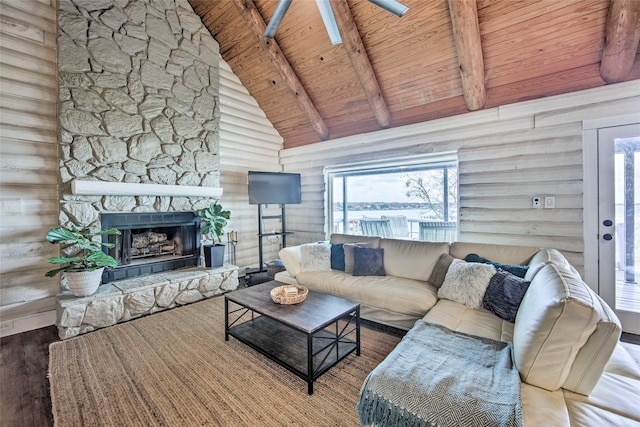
[{"x": 106, "y": 188}]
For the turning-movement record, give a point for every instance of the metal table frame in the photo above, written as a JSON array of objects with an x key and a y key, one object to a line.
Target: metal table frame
[{"x": 325, "y": 346}]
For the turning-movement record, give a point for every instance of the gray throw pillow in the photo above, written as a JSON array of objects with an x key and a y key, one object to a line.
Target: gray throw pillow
[
  {"x": 348, "y": 254},
  {"x": 368, "y": 261},
  {"x": 504, "y": 295},
  {"x": 440, "y": 270}
]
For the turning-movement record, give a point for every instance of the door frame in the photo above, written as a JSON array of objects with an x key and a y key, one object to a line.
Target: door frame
[{"x": 592, "y": 227}]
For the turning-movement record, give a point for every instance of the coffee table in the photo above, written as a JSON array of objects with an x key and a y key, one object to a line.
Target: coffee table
[{"x": 306, "y": 338}]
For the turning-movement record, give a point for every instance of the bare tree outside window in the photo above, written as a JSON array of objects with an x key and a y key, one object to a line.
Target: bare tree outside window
[{"x": 438, "y": 188}]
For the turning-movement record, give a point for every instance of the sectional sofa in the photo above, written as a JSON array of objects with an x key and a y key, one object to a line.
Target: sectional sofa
[{"x": 564, "y": 338}]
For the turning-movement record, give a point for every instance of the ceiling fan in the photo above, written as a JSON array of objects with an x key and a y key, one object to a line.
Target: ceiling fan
[{"x": 324, "y": 6}]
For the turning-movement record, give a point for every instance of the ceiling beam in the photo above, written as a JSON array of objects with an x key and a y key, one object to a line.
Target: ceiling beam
[
  {"x": 466, "y": 34},
  {"x": 621, "y": 40},
  {"x": 360, "y": 61},
  {"x": 254, "y": 20}
]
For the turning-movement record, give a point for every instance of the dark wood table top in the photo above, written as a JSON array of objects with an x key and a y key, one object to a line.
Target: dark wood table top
[{"x": 314, "y": 313}]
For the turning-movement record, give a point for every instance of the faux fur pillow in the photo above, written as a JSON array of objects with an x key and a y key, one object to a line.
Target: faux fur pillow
[
  {"x": 466, "y": 282},
  {"x": 315, "y": 257},
  {"x": 348, "y": 254}
]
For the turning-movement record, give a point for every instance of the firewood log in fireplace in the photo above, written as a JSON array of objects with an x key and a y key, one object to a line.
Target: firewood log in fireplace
[
  {"x": 151, "y": 243},
  {"x": 147, "y": 238}
]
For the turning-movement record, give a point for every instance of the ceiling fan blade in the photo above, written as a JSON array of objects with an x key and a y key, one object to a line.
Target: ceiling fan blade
[
  {"x": 392, "y": 6},
  {"x": 329, "y": 21},
  {"x": 276, "y": 19}
]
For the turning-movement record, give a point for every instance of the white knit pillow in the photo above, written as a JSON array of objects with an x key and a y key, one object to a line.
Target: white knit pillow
[
  {"x": 466, "y": 282},
  {"x": 316, "y": 256}
]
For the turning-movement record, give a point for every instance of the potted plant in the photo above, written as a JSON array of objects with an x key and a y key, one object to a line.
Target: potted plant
[
  {"x": 212, "y": 222},
  {"x": 83, "y": 271}
]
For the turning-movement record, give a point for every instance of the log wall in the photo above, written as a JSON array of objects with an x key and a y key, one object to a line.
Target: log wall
[
  {"x": 248, "y": 141},
  {"x": 507, "y": 155},
  {"x": 28, "y": 163}
]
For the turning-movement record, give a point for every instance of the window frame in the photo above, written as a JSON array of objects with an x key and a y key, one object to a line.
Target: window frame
[{"x": 377, "y": 167}]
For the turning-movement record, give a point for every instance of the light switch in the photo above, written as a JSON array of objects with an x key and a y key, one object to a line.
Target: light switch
[{"x": 549, "y": 202}]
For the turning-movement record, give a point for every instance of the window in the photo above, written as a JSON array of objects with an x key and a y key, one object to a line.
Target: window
[{"x": 399, "y": 198}]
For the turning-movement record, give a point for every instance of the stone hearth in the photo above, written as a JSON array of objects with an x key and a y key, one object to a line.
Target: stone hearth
[{"x": 124, "y": 300}]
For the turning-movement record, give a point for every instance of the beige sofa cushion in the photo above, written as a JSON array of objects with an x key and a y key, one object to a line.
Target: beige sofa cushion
[
  {"x": 592, "y": 358},
  {"x": 547, "y": 256},
  {"x": 350, "y": 238},
  {"x": 480, "y": 322},
  {"x": 542, "y": 407},
  {"x": 613, "y": 402},
  {"x": 555, "y": 319},
  {"x": 390, "y": 293},
  {"x": 622, "y": 363},
  {"x": 410, "y": 258},
  {"x": 291, "y": 259},
  {"x": 506, "y": 254}
]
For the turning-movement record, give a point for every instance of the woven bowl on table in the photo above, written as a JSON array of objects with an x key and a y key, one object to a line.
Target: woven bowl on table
[{"x": 279, "y": 297}]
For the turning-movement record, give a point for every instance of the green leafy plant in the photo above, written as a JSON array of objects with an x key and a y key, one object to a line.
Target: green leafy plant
[
  {"x": 90, "y": 255},
  {"x": 213, "y": 220}
]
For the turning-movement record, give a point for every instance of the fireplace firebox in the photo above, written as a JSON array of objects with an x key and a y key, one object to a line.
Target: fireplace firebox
[{"x": 151, "y": 242}]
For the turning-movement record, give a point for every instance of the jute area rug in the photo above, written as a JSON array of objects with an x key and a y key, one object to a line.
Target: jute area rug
[{"x": 175, "y": 369}]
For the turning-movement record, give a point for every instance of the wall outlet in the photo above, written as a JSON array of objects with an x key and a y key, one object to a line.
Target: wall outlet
[
  {"x": 536, "y": 202},
  {"x": 549, "y": 202}
]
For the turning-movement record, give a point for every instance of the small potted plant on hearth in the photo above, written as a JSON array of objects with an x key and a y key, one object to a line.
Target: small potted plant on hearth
[
  {"x": 83, "y": 270},
  {"x": 212, "y": 222}
]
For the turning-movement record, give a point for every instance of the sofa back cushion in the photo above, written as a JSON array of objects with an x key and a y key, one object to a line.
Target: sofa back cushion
[
  {"x": 505, "y": 254},
  {"x": 548, "y": 256},
  {"x": 291, "y": 259},
  {"x": 411, "y": 259},
  {"x": 352, "y": 238},
  {"x": 595, "y": 354},
  {"x": 556, "y": 318}
]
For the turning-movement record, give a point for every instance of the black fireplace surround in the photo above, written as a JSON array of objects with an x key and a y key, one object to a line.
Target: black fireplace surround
[{"x": 151, "y": 242}]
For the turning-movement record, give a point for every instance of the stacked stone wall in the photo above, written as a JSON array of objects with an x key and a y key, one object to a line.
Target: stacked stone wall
[{"x": 139, "y": 103}]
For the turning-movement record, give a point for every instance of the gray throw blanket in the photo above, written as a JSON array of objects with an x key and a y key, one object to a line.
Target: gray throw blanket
[{"x": 438, "y": 377}]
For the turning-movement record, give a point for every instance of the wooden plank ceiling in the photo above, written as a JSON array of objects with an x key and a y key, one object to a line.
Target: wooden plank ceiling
[{"x": 441, "y": 58}]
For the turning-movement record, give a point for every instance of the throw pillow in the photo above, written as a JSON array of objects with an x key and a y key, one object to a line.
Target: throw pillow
[
  {"x": 348, "y": 254},
  {"x": 504, "y": 295},
  {"x": 316, "y": 256},
  {"x": 337, "y": 256},
  {"x": 517, "y": 270},
  {"x": 440, "y": 270},
  {"x": 368, "y": 261},
  {"x": 466, "y": 282}
]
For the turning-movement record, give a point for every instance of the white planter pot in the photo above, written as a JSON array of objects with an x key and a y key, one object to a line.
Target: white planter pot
[{"x": 82, "y": 283}]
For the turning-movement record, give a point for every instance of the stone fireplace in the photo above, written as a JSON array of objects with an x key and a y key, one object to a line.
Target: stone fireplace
[{"x": 138, "y": 106}]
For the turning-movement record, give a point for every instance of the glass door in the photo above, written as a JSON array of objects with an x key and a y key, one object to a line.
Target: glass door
[{"x": 619, "y": 223}]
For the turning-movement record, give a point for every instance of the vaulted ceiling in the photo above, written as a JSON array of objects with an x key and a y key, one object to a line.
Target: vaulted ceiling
[{"x": 442, "y": 58}]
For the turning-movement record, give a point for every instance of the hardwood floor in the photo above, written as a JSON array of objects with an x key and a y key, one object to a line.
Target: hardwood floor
[
  {"x": 25, "y": 399},
  {"x": 24, "y": 385}
]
